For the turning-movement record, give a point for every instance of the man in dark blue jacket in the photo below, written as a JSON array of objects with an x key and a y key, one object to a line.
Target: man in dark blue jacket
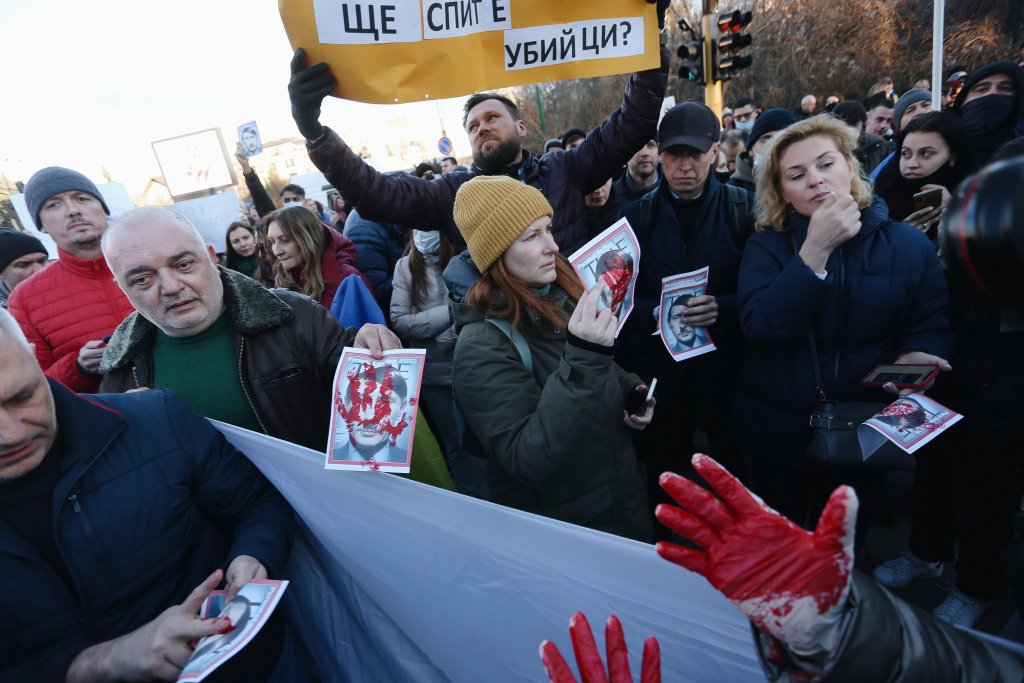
[
  {"x": 690, "y": 221},
  {"x": 378, "y": 248},
  {"x": 114, "y": 510}
]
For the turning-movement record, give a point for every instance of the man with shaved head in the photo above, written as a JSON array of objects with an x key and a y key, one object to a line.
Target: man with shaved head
[
  {"x": 115, "y": 514},
  {"x": 236, "y": 352}
]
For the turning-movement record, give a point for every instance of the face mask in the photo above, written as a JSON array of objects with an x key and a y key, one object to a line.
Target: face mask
[
  {"x": 427, "y": 242},
  {"x": 745, "y": 126},
  {"x": 756, "y": 159},
  {"x": 723, "y": 177},
  {"x": 987, "y": 112}
]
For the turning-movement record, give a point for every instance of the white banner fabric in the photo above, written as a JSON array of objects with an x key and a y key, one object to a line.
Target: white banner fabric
[{"x": 392, "y": 580}]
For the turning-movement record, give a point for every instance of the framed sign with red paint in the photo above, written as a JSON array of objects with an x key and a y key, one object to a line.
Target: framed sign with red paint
[{"x": 374, "y": 407}]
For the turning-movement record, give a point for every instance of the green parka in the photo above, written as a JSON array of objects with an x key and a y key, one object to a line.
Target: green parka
[{"x": 556, "y": 441}]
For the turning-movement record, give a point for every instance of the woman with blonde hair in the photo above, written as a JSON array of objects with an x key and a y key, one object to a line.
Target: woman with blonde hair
[
  {"x": 312, "y": 258},
  {"x": 534, "y": 372},
  {"x": 828, "y": 276}
]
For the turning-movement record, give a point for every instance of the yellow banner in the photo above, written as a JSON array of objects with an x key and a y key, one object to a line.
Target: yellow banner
[{"x": 388, "y": 51}]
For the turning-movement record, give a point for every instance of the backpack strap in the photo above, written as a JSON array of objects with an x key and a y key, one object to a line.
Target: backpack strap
[
  {"x": 741, "y": 225},
  {"x": 517, "y": 339}
]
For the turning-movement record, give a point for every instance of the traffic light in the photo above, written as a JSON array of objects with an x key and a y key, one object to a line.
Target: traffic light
[
  {"x": 727, "y": 41},
  {"x": 691, "y": 54}
]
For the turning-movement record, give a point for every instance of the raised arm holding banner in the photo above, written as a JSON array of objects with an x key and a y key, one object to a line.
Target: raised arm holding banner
[
  {"x": 388, "y": 52},
  {"x": 495, "y": 129}
]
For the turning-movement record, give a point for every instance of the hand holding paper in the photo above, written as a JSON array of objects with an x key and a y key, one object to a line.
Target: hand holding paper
[
  {"x": 307, "y": 89},
  {"x": 588, "y": 659},
  {"x": 590, "y": 324},
  {"x": 790, "y": 582}
]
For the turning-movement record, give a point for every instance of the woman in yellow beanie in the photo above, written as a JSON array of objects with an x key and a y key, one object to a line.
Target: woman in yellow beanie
[{"x": 534, "y": 372}]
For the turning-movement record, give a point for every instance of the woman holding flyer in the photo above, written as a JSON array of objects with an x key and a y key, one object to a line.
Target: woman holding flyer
[
  {"x": 312, "y": 258},
  {"x": 534, "y": 373},
  {"x": 827, "y": 268}
]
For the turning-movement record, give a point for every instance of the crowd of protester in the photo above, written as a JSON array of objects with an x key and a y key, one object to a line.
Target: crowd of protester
[{"x": 822, "y": 266}]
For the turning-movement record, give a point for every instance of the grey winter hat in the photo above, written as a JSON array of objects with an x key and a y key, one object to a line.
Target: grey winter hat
[
  {"x": 910, "y": 97},
  {"x": 692, "y": 124},
  {"x": 53, "y": 180}
]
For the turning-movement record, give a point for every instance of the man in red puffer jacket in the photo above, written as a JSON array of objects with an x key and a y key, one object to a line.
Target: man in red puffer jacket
[{"x": 68, "y": 308}]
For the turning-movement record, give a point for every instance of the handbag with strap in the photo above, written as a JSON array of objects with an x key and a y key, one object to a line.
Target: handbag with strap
[{"x": 834, "y": 427}]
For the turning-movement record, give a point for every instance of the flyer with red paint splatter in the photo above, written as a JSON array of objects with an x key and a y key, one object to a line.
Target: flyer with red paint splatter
[
  {"x": 373, "y": 411},
  {"x": 682, "y": 340},
  {"x": 909, "y": 422},
  {"x": 248, "y": 611},
  {"x": 613, "y": 257}
]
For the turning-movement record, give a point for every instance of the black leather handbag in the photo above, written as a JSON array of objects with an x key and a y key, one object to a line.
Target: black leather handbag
[{"x": 834, "y": 430}]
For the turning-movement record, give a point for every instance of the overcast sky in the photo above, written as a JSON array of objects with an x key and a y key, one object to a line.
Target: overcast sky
[{"x": 91, "y": 84}]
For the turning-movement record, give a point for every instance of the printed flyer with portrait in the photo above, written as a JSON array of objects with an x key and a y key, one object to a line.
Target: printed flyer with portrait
[
  {"x": 682, "y": 340},
  {"x": 249, "y": 136},
  {"x": 909, "y": 422},
  {"x": 374, "y": 407},
  {"x": 248, "y": 612},
  {"x": 614, "y": 258}
]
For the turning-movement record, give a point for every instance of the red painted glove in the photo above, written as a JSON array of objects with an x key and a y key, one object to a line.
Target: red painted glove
[
  {"x": 791, "y": 583},
  {"x": 588, "y": 659}
]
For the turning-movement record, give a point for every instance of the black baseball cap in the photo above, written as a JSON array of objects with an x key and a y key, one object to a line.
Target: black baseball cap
[{"x": 692, "y": 124}]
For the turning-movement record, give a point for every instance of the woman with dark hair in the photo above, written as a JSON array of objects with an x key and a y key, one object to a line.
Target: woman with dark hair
[
  {"x": 826, "y": 268},
  {"x": 419, "y": 315},
  {"x": 312, "y": 258},
  {"x": 244, "y": 253},
  {"x": 933, "y": 153},
  {"x": 534, "y": 372}
]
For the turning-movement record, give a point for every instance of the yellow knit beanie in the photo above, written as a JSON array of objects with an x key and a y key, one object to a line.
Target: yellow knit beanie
[{"x": 492, "y": 212}]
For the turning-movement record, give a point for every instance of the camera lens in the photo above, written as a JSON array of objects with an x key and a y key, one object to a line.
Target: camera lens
[{"x": 982, "y": 232}]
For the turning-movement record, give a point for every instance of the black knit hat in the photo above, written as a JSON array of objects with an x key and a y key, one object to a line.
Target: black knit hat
[
  {"x": 53, "y": 180},
  {"x": 770, "y": 121},
  {"x": 14, "y": 244},
  {"x": 571, "y": 135}
]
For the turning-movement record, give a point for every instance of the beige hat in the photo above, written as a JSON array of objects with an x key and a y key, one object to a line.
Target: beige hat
[{"x": 492, "y": 212}]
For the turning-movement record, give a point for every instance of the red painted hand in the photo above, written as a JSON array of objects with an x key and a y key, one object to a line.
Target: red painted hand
[
  {"x": 791, "y": 583},
  {"x": 588, "y": 659}
]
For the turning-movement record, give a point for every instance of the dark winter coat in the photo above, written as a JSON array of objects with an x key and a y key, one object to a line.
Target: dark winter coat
[
  {"x": 378, "y": 248},
  {"x": 150, "y": 500},
  {"x": 885, "y": 294},
  {"x": 665, "y": 251},
  {"x": 564, "y": 178},
  {"x": 288, "y": 350},
  {"x": 555, "y": 437}
]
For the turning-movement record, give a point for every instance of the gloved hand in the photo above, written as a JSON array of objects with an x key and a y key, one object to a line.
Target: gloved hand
[
  {"x": 662, "y": 6},
  {"x": 307, "y": 89},
  {"x": 588, "y": 659},
  {"x": 790, "y": 582}
]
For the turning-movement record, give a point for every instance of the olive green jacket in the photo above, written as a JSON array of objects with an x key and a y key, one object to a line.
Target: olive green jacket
[{"x": 556, "y": 442}]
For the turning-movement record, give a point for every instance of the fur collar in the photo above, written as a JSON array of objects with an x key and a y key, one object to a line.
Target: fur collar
[{"x": 249, "y": 306}]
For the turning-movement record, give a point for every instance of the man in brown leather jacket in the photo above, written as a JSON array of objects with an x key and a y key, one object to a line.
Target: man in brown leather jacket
[{"x": 236, "y": 352}]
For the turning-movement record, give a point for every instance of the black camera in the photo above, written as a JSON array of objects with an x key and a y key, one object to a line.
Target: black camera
[{"x": 982, "y": 232}]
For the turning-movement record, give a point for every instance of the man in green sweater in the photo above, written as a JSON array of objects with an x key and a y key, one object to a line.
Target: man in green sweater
[{"x": 235, "y": 351}]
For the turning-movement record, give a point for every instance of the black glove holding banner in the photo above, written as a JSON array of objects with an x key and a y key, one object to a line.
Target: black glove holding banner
[
  {"x": 307, "y": 89},
  {"x": 662, "y": 6}
]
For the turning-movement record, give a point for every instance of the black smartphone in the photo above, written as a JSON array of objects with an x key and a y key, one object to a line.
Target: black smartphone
[
  {"x": 639, "y": 399},
  {"x": 932, "y": 198},
  {"x": 903, "y": 376}
]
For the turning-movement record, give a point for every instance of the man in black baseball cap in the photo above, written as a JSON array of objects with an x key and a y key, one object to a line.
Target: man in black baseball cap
[
  {"x": 21, "y": 256},
  {"x": 690, "y": 221}
]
